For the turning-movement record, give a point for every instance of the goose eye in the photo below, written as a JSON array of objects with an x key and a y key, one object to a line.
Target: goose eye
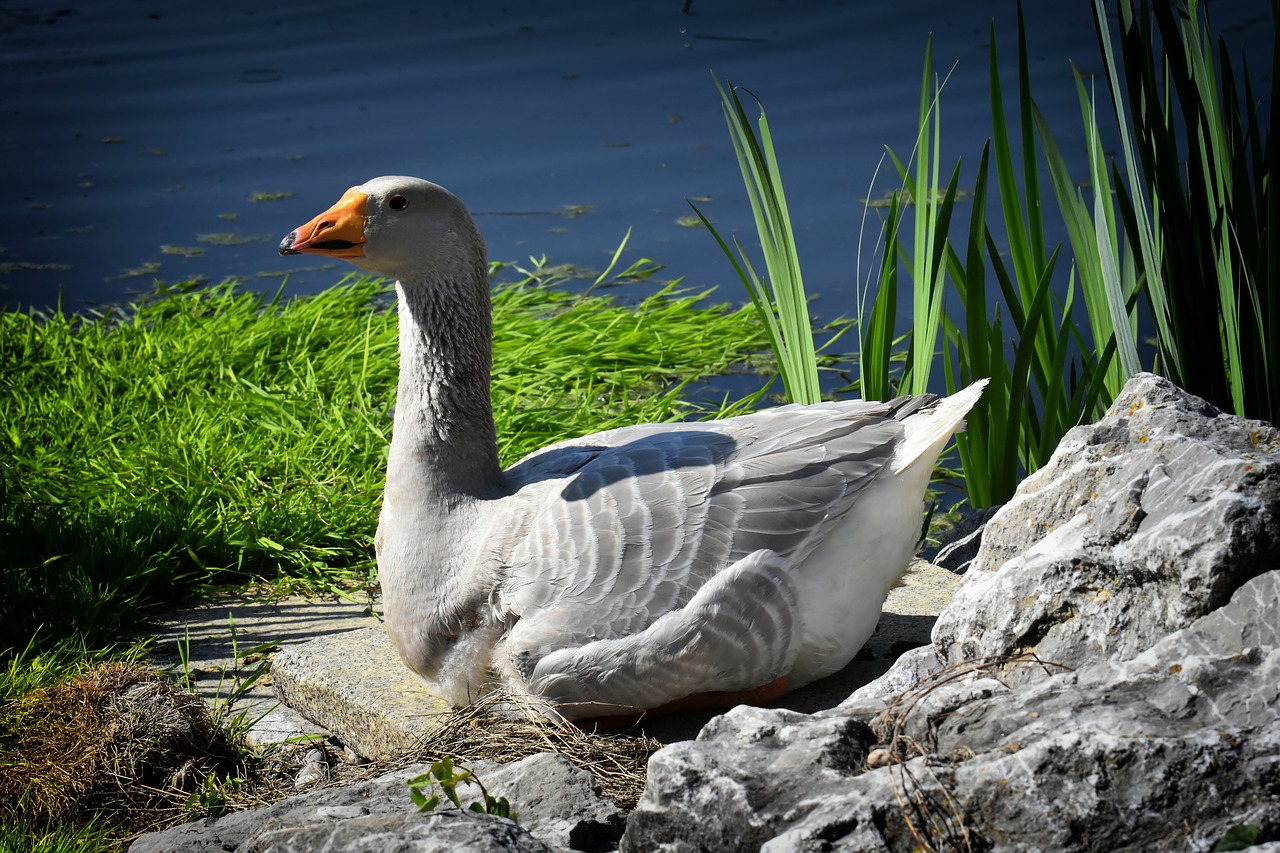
[{"x": 397, "y": 202}]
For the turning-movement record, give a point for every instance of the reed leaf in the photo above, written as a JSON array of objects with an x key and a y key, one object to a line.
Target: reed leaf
[
  {"x": 779, "y": 299},
  {"x": 876, "y": 334},
  {"x": 931, "y": 222},
  {"x": 1212, "y": 207}
]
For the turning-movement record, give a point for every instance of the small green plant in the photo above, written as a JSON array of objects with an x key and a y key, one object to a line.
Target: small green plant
[
  {"x": 214, "y": 796},
  {"x": 232, "y": 685},
  {"x": 444, "y": 775},
  {"x": 638, "y": 270},
  {"x": 1240, "y": 837}
]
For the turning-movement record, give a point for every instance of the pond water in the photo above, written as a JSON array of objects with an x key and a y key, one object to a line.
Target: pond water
[{"x": 149, "y": 140}]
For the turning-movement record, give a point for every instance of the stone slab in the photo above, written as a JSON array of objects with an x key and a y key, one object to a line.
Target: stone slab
[
  {"x": 216, "y": 634},
  {"x": 558, "y": 805},
  {"x": 354, "y": 685}
]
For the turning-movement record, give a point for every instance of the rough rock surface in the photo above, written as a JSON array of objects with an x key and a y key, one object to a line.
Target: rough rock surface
[
  {"x": 1142, "y": 568},
  {"x": 1139, "y": 524},
  {"x": 1166, "y": 751},
  {"x": 558, "y": 805}
]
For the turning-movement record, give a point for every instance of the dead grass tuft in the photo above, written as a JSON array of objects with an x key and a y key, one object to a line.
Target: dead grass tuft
[
  {"x": 504, "y": 728},
  {"x": 126, "y": 747},
  {"x": 122, "y": 742},
  {"x": 118, "y": 740},
  {"x": 933, "y": 815}
]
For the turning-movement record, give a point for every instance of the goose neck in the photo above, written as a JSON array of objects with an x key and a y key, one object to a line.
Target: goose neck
[{"x": 444, "y": 430}]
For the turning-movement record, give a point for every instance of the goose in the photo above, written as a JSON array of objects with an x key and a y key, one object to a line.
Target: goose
[{"x": 632, "y": 572}]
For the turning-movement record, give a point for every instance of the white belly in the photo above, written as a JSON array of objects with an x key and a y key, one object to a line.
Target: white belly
[{"x": 843, "y": 584}]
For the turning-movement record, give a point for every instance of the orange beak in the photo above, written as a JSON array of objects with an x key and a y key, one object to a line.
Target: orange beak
[{"x": 338, "y": 232}]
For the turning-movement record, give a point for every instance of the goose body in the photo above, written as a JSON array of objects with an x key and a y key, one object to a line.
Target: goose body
[{"x": 639, "y": 569}]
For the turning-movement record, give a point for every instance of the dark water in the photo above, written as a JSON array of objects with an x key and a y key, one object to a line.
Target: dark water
[{"x": 136, "y": 133}]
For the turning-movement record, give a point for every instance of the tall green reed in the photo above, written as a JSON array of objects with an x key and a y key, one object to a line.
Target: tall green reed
[
  {"x": 1047, "y": 375},
  {"x": 1059, "y": 374},
  {"x": 1021, "y": 335},
  {"x": 1204, "y": 224},
  {"x": 779, "y": 299},
  {"x": 1172, "y": 227},
  {"x": 933, "y": 207},
  {"x": 875, "y": 325}
]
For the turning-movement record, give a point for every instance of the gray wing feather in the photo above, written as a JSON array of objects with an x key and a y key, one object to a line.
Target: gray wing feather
[
  {"x": 738, "y": 632},
  {"x": 617, "y": 529}
]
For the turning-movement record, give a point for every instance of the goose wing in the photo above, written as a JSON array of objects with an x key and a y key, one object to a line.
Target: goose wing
[{"x": 618, "y": 529}]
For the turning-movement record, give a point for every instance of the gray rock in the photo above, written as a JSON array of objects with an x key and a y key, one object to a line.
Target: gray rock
[
  {"x": 446, "y": 832},
  {"x": 1139, "y": 566},
  {"x": 1165, "y": 751},
  {"x": 558, "y": 805},
  {"x": 960, "y": 543},
  {"x": 557, "y": 801},
  {"x": 1138, "y": 525},
  {"x": 747, "y": 773}
]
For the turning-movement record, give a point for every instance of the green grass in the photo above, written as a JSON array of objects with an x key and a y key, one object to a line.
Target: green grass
[
  {"x": 211, "y": 436},
  {"x": 90, "y": 838},
  {"x": 32, "y": 667}
]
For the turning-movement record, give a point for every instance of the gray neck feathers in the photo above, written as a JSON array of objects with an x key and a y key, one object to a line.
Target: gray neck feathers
[{"x": 444, "y": 432}]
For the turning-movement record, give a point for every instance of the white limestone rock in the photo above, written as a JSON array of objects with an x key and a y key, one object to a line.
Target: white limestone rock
[{"x": 1142, "y": 567}]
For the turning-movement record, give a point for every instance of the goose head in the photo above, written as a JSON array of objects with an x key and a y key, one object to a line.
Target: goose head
[{"x": 404, "y": 228}]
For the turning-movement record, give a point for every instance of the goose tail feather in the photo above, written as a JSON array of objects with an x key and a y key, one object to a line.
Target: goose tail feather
[{"x": 927, "y": 431}]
